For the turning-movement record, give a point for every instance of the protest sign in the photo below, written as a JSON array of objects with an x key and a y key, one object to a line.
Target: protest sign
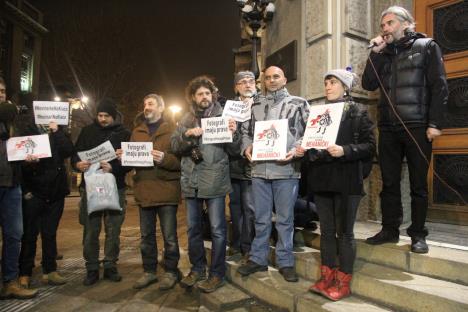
[
  {"x": 103, "y": 152},
  {"x": 216, "y": 130},
  {"x": 270, "y": 140},
  {"x": 322, "y": 126},
  {"x": 238, "y": 110},
  {"x": 45, "y": 111},
  {"x": 35, "y": 145},
  {"x": 137, "y": 154}
]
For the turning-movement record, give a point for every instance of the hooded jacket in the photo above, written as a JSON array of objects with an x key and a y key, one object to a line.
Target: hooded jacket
[
  {"x": 413, "y": 75},
  {"x": 158, "y": 185}
]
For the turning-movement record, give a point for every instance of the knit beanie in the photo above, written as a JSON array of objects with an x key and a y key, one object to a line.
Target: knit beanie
[
  {"x": 348, "y": 78},
  {"x": 243, "y": 74},
  {"x": 107, "y": 106}
]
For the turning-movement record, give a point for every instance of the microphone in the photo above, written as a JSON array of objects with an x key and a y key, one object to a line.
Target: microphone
[{"x": 373, "y": 44}]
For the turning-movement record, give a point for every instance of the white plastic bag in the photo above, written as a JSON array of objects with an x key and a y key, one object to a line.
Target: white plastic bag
[{"x": 101, "y": 190}]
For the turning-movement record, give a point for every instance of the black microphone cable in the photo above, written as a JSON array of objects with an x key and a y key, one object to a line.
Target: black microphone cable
[{"x": 392, "y": 106}]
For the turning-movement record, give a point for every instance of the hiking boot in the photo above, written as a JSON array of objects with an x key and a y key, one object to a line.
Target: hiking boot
[
  {"x": 340, "y": 289},
  {"x": 419, "y": 245},
  {"x": 24, "y": 281},
  {"x": 54, "y": 279},
  {"x": 251, "y": 267},
  {"x": 112, "y": 274},
  {"x": 384, "y": 236},
  {"x": 327, "y": 276},
  {"x": 211, "y": 284},
  {"x": 289, "y": 274},
  {"x": 192, "y": 278},
  {"x": 168, "y": 280},
  {"x": 12, "y": 290},
  {"x": 147, "y": 279},
  {"x": 91, "y": 278}
]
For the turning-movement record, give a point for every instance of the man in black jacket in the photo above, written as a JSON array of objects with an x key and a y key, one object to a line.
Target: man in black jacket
[
  {"x": 411, "y": 69},
  {"x": 103, "y": 129}
]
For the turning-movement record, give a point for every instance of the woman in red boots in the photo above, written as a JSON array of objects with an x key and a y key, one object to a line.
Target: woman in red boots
[{"x": 335, "y": 177}]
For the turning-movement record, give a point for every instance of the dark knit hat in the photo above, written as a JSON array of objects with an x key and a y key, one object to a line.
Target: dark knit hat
[{"x": 107, "y": 106}]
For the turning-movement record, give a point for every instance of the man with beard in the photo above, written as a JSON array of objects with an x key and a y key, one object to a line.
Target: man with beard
[
  {"x": 157, "y": 193},
  {"x": 411, "y": 69},
  {"x": 240, "y": 199},
  {"x": 205, "y": 179},
  {"x": 104, "y": 128},
  {"x": 275, "y": 182}
]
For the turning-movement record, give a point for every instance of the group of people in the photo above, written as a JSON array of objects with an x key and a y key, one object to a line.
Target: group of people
[{"x": 405, "y": 65}]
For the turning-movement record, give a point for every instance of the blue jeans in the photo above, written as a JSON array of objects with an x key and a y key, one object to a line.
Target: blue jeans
[
  {"x": 283, "y": 194},
  {"x": 242, "y": 215},
  {"x": 11, "y": 221},
  {"x": 196, "y": 247},
  {"x": 148, "y": 246}
]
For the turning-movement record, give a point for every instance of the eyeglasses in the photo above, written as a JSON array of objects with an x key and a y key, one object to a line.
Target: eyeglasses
[{"x": 246, "y": 82}]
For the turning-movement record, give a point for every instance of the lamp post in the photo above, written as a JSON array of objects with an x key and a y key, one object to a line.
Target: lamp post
[
  {"x": 174, "y": 108},
  {"x": 256, "y": 13}
]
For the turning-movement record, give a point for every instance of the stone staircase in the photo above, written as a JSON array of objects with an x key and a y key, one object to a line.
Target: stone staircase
[{"x": 386, "y": 278}]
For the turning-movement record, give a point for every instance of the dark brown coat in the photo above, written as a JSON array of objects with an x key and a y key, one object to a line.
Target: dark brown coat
[{"x": 158, "y": 185}]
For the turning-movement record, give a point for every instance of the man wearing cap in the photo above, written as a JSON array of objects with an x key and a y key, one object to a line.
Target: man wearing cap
[
  {"x": 408, "y": 68},
  {"x": 275, "y": 182},
  {"x": 104, "y": 128},
  {"x": 240, "y": 199}
]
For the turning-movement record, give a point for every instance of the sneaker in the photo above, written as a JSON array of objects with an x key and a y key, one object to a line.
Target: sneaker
[
  {"x": 24, "y": 281},
  {"x": 383, "y": 237},
  {"x": 192, "y": 278},
  {"x": 419, "y": 245},
  {"x": 147, "y": 279},
  {"x": 211, "y": 284},
  {"x": 168, "y": 280},
  {"x": 251, "y": 267},
  {"x": 12, "y": 290},
  {"x": 112, "y": 274},
  {"x": 91, "y": 278},
  {"x": 289, "y": 274},
  {"x": 54, "y": 279}
]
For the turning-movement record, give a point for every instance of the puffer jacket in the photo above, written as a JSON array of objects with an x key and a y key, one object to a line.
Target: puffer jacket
[
  {"x": 210, "y": 178},
  {"x": 158, "y": 185},
  {"x": 277, "y": 105}
]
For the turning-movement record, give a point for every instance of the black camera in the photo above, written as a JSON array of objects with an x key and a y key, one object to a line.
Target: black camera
[{"x": 196, "y": 155}]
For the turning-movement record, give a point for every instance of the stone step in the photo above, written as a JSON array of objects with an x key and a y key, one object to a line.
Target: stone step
[
  {"x": 445, "y": 262},
  {"x": 226, "y": 298},
  {"x": 271, "y": 288},
  {"x": 393, "y": 287}
]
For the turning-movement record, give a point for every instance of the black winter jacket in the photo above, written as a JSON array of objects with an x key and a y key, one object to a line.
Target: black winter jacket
[
  {"x": 94, "y": 135},
  {"x": 343, "y": 174},
  {"x": 412, "y": 72}
]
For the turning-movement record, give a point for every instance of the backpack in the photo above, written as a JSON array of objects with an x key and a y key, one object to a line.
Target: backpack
[{"x": 366, "y": 163}]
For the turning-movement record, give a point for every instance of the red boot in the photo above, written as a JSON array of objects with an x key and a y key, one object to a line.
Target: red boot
[
  {"x": 341, "y": 287},
  {"x": 327, "y": 275}
]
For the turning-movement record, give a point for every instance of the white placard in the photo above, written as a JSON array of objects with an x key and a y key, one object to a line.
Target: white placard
[
  {"x": 216, "y": 130},
  {"x": 270, "y": 140},
  {"x": 238, "y": 110},
  {"x": 322, "y": 126},
  {"x": 103, "y": 152},
  {"x": 46, "y": 111},
  {"x": 35, "y": 145},
  {"x": 137, "y": 154}
]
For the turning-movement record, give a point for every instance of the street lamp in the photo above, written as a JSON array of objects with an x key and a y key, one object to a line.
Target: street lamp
[
  {"x": 174, "y": 109},
  {"x": 256, "y": 13},
  {"x": 57, "y": 99}
]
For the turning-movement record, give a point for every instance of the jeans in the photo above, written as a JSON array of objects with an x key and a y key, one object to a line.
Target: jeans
[
  {"x": 44, "y": 217},
  {"x": 242, "y": 215},
  {"x": 283, "y": 194},
  {"x": 149, "y": 249},
  {"x": 11, "y": 221},
  {"x": 337, "y": 229},
  {"x": 393, "y": 146},
  {"x": 216, "y": 207},
  {"x": 92, "y": 228}
]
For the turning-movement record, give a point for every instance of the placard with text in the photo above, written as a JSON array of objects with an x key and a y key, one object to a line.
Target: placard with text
[
  {"x": 46, "y": 111},
  {"x": 35, "y": 145},
  {"x": 103, "y": 152},
  {"x": 137, "y": 154},
  {"x": 270, "y": 140},
  {"x": 216, "y": 130},
  {"x": 237, "y": 110}
]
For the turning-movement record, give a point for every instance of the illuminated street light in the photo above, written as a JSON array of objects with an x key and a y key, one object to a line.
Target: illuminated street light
[
  {"x": 85, "y": 99},
  {"x": 175, "y": 109},
  {"x": 57, "y": 99}
]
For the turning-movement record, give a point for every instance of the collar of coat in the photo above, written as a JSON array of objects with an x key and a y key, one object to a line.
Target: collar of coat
[{"x": 141, "y": 126}]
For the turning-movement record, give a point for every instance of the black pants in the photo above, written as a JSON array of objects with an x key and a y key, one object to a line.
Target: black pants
[
  {"x": 42, "y": 217},
  {"x": 337, "y": 229},
  {"x": 393, "y": 147}
]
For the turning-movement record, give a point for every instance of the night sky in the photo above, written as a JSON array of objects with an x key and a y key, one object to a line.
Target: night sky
[{"x": 125, "y": 49}]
